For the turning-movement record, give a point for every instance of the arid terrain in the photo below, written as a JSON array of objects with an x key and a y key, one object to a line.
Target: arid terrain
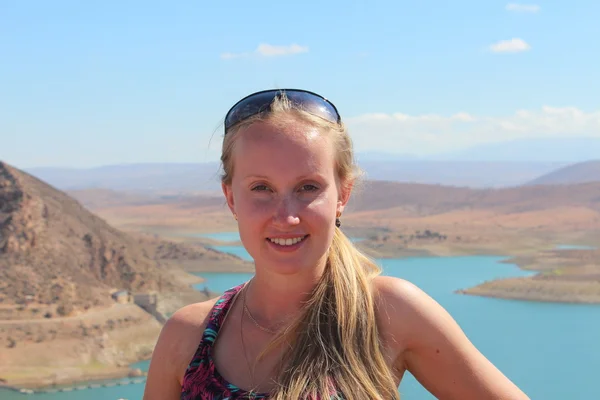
[
  {"x": 71, "y": 284},
  {"x": 399, "y": 219},
  {"x": 66, "y": 258}
]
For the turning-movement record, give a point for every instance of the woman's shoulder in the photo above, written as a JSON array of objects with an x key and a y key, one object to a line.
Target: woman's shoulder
[
  {"x": 398, "y": 303},
  {"x": 176, "y": 345},
  {"x": 398, "y": 293},
  {"x": 410, "y": 315},
  {"x": 431, "y": 345},
  {"x": 192, "y": 319},
  {"x": 183, "y": 331}
]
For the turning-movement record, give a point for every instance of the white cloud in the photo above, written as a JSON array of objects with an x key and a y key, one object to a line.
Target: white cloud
[
  {"x": 431, "y": 133},
  {"x": 514, "y": 45},
  {"x": 268, "y": 50},
  {"x": 463, "y": 116},
  {"x": 523, "y": 8}
]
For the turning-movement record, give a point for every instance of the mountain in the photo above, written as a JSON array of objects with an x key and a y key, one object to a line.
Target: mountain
[
  {"x": 56, "y": 254},
  {"x": 145, "y": 177},
  {"x": 367, "y": 156},
  {"x": 61, "y": 265},
  {"x": 173, "y": 179},
  {"x": 551, "y": 149},
  {"x": 577, "y": 173},
  {"x": 474, "y": 174},
  {"x": 419, "y": 200}
]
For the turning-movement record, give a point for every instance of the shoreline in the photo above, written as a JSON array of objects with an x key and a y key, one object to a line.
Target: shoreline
[
  {"x": 520, "y": 288},
  {"x": 517, "y": 289},
  {"x": 112, "y": 376},
  {"x": 474, "y": 291},
  {"x": 553, "y": 266}
]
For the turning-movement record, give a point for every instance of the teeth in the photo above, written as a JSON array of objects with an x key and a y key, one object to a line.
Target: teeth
[{"x": 286, "y": 242}]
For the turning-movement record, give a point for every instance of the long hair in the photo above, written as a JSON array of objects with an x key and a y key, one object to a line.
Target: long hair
[{"x": 334, "y": 343}]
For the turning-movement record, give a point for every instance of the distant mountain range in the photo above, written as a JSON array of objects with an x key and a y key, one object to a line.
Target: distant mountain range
[
  {"x": 505, "y": 164},
  {"x": 147, "y": 177},
  {"x": 177, "y": 178}
]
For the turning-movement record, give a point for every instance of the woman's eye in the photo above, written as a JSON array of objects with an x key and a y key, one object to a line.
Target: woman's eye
[
  {"x": 309, "y": 188},
  {"x": 259, "y": 188}
]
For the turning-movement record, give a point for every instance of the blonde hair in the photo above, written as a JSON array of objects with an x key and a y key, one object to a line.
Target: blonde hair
[{"x": 334, "y": 344}]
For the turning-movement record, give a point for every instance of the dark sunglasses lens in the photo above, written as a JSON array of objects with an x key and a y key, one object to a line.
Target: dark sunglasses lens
[
  {"x": 260, "y": 102},
  {"x": 249, "y": 106},
  {"x": 314, "y": 105}
]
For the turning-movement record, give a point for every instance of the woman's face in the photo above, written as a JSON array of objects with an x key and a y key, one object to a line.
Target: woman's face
[{"x": 285, "y": 193}]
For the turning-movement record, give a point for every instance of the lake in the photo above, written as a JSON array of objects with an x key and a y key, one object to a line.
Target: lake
[{"x": 551, "y": 350}]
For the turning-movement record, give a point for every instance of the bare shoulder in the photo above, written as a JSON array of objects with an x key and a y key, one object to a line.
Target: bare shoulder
[
  {"x": 412, "y": 313},
  {"x": 397, "y": 296},
  {"x": 432, "y": 346},
  {"x": 192, "y": 316},
  {"x": 399, "y": 305},
  {"x": 176, "y": 345},
  {"x": 183, "y": 331}
]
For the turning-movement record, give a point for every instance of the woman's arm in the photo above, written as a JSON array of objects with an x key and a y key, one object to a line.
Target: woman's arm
[
  {"x": 436, "y": 351},
  {"x": 176, "y": 345}
]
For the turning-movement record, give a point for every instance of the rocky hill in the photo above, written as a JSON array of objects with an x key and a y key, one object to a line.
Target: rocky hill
[
  {"x": 59, "y": 259},
  {"x": 60, "y": 264}
]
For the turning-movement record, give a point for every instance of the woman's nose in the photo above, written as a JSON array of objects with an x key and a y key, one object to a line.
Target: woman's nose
[{"x": 286, "y": 212}]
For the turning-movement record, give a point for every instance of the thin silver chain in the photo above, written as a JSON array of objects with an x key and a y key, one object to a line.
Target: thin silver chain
[{"x": 259, "y": 326}]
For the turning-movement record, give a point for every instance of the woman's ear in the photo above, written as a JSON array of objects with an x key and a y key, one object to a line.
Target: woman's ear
[
  {"x": 228, "y": 192},
  {"x": 344, "y": 195}
]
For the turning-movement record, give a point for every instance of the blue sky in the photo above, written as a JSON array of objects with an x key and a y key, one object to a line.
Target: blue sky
[{"x": 85, "y": 84}]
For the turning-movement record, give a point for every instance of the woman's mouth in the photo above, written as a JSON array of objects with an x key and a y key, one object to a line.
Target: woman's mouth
[{"x": 287, "y": 242}]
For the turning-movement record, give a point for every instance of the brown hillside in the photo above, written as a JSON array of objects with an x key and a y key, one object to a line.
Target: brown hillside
[
  {"x": 588, "y": 171},
  {"x": 387, "y": 204},
  {"x": 55, "y": 255},
  {"x": 433, "y": 199}
]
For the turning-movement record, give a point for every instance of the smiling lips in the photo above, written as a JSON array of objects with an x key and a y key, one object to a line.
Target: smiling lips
[{"x": 287, "y": 241}]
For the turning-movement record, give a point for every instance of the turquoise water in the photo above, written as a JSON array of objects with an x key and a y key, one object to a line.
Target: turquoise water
[
  {"x": 239, "y": 251},
  {"x": 231, "y": 236},
  {"x": 550, "y": 350},
  {"x": 219, "y": 282},
  {"x": 221, "y": 236}
]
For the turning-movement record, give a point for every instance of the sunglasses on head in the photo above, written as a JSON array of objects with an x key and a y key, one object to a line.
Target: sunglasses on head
[{"x": 260, "y": 102}]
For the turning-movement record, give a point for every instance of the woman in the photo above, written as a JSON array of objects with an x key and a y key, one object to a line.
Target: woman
[{"x": 316, "y": 321}]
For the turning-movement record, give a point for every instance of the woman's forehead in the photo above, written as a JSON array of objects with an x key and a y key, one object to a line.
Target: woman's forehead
[
  {"x": 296, "y": 147},
  {"x": 293, "y": 137}
]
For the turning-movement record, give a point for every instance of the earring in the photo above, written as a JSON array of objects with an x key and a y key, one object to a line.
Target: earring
[
  {"x": 235, "y": 216},
  {"x": 337, "y": 219}
]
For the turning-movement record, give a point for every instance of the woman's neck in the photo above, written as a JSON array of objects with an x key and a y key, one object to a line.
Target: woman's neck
[{"x": 273, "y": 298}]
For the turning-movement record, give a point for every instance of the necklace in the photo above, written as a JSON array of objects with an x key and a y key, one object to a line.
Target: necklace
[
  {"x": 249, "y": 314},
  {"x": 251, "y": 393},
  {"x": 259, "y": 326},
  {"x": 251, "y": 368}
]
